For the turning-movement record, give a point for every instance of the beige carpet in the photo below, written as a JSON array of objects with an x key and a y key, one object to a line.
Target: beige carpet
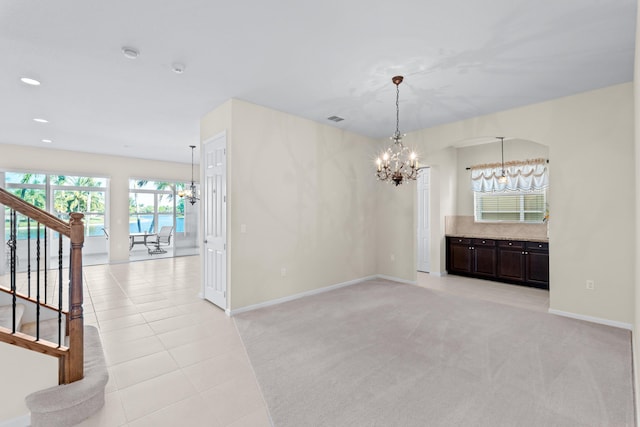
[{"x": 387, "y": 354}]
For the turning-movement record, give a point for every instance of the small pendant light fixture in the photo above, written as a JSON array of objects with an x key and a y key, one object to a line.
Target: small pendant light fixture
[
  {"x": 190, "y": 194},
  {"x": 397, "y": 164},
  {"x": 503, "y": 177}
]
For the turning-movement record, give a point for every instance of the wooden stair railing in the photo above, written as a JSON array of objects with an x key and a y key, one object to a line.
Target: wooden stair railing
[{"x": 71, "y": 354}]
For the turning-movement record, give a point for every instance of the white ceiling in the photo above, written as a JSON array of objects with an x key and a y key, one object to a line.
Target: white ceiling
[{"x": 460, "y": 59}]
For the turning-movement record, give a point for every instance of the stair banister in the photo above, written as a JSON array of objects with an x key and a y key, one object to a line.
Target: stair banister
[
  {"x": 73, "y": 370},
  {"x": 71, "y": 360}
]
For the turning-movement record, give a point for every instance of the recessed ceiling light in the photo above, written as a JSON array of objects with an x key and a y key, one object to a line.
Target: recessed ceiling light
[
  {"x": 130, "y": 52},
  {"x": 29, "y": 81},
  {"x": 48, "y": 141},
  {"x": 41, "y": 120},
  {"x": 177, "y": 68}
]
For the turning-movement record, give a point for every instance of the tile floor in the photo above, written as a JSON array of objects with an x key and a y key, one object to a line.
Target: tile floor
[
  {"x": 503, "y": 293},
  {"x": 173, "y": 358}
]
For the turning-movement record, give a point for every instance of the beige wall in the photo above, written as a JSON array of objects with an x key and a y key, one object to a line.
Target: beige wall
[
  {"x": 591, "y": 214},
  {"x": 306, "y": 199},
  {"x": 396, "y": 216},
  {"x": 118, "y": 169},
  {"x": 306, "y": 194}
]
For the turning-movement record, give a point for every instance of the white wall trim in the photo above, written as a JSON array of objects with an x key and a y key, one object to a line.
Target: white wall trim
[
  {"x": 297, "y": 296},
  {"x": 22, "y": 421},
  {"x": 592, "y": 319},
  {"x": 396, "y": 279},
  {"x": 634, "y": 372}
]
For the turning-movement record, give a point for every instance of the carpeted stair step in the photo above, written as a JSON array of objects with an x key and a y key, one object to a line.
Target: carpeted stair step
[
  {"x": 48, "y": 330},
  {"x": 69, "y": 404},
  {"x": 6, "y": 316}
]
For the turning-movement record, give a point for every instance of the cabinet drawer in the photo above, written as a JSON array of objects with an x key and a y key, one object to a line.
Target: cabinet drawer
[
  {"x": 484, "y": 242},
  {"x": 460, "y": 240},
  {"x": 540, "y": 246},
  {"x": 514, "y": 244}
]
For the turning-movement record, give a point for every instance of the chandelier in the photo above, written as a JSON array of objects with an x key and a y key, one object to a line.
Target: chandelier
[
  {"x": 190, "y": 194},
  {"x": 502, "y": 179},
  {"x": 397, "y": 164}
]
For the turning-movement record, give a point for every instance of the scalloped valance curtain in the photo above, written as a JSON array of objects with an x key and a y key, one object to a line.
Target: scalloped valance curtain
[{"x": 528, "y": 175}]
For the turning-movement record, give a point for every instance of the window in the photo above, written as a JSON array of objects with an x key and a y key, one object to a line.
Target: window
[
  {"x": 62, "y": 195},
  {"x": 80, "y": 194},
  {"x": 509, "y": 206},
  {"x": 152, "y": 202}
]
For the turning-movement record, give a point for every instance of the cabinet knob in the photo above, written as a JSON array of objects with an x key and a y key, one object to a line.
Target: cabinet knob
[
  {"x": 483, "y": 241},
  {"x": 459, "y": 240},
  {"x": 539, "y": 246},
  {"x": 510, "y": 243},
  {"x": 522, "y": 252},
  {"x": 526, "y": 253}
]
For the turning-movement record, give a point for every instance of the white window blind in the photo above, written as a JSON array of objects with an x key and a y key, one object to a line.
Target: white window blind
[{"x": 510, "y": 206}]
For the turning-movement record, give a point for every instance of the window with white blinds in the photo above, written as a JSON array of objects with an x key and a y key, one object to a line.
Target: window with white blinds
[{"x": 509, "y": 206}]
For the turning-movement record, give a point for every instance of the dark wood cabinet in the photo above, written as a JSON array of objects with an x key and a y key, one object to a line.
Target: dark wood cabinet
[
  {"x": 537, "y": 264},
  {"x": 459, "y": 255},
  {"x": 511, "y": 261},
  {"x": 483, "y": 253},
  {"x": 475, "y": 257}
]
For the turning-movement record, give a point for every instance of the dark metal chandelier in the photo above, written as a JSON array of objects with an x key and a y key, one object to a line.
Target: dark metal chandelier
[
  {"x": 397, "y": 164},
  {"x": 191, "y": 193}
]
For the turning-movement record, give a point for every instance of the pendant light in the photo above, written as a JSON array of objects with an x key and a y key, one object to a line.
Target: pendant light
[
  {"x": 397, "y": 164},
  {"x": 503, "y": 177},
  {"x": 190, "y": 194}
]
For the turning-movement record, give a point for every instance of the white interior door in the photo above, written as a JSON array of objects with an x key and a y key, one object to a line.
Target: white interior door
[
  {"x": 214, "y": 199},
  {"x": 423, "y": 220}
]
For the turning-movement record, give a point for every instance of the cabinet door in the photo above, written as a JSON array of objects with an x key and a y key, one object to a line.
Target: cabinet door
[
  {"x": 484, "y": 258},
  {"x": 460, "y": 260},
  {"x": 511, "y": 264},
  {"x": 538, "y": 269}
]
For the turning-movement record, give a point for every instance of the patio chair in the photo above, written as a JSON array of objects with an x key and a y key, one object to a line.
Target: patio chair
[{"x": 162, "y": 238}]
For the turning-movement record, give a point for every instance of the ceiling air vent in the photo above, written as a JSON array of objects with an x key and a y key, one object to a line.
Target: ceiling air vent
[{"x": 335, "y": 118}]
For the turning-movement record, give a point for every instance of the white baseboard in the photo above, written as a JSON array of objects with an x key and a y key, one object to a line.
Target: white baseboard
[
  {"x": 634, "y": 376},
  {"x": 22, "y": 421},
  {"x": 396, "y": 279},
  {"x": 296, "y": 296},
  {"x": 592, "y": 319}
]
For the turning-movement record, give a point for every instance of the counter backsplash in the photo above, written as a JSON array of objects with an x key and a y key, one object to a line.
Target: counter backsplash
[{"x": 459, "y": 225}]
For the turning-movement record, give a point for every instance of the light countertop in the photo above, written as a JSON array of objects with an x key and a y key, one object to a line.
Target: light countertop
[{"x": 476, "y": 236}]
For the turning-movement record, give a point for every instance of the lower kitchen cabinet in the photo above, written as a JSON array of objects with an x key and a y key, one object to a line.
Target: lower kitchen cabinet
[
  {"x": 483, "y": 254},
  {"x": 475, "y": 257},
  {"x": 511, "y": 261},
  {"x": 537, "y": 264}
]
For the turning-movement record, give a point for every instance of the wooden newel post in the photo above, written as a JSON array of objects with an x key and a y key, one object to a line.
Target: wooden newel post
[{"x": 75, "y": 364}]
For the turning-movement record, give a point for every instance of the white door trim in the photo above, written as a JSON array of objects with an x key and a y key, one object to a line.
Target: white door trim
[{"x": 423, "y": 232}]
